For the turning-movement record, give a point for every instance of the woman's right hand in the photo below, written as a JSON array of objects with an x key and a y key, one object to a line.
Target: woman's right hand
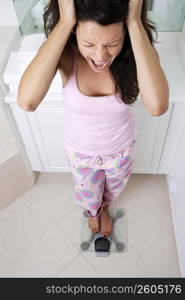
[{"x": 67, "y": 11}]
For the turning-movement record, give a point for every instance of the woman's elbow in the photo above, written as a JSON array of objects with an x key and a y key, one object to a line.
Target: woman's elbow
[
  {"x": 26, "y": 106},
  {"x": 160, "y": 110}
]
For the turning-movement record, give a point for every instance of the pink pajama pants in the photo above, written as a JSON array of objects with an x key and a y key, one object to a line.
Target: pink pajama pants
[{"x": 99, "y": 180}]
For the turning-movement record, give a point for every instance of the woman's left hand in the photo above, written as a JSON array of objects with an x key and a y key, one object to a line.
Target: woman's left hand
[{"x": 134, "y": 11}]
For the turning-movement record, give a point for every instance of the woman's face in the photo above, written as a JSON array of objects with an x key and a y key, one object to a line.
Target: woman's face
[{"x": 98, "y": 44}]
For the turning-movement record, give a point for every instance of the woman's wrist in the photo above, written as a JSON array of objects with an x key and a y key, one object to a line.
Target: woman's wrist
[
  {"x": 68, "y": 24},
  {"x": 134, "y": 23}
]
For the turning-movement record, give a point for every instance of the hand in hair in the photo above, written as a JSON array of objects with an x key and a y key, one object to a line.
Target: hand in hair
[
  {"x": 67, "y": 11},
  {"x": 134, "y": 11}
]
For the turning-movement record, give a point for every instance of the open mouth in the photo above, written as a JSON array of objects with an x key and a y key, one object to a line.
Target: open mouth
[{"x": 100, "y": 65}]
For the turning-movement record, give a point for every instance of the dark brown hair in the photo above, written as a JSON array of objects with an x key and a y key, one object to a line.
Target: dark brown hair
[{"x": 123, "y": 69}]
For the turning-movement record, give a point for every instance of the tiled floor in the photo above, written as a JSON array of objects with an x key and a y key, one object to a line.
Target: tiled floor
[{"x": 40, "y": 232}]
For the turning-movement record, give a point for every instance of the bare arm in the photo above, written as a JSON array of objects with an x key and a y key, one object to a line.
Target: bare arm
[
  {"x": 39, "y": 74},
  {"x": 151, "y": 78}
]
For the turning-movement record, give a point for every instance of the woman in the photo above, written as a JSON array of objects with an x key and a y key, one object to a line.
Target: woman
[{"x": 104, "y": 51}]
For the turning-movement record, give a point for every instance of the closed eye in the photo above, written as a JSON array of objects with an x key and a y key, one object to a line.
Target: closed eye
[
  {"x": 107, "y": 45},
  {"x": 113, "y": 45}
]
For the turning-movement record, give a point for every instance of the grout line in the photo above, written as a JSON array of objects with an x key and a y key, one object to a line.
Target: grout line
[
  {"x": 131, "y": 266},
  {"x": 67, "y": 236},
  {"x": 91, "y": 265},
  {"x": 80, "y": 252},
  {"x": 68, "y": 264}
]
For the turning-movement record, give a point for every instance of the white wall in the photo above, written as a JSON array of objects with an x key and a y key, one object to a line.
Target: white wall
[
  {"x": 176, "y": 180},
  {"x": 8, "y": 146},
  {"x": 13, "y": 13},
  {"x": 16, "y": 175},
  {"x": 8, "y": 16},
  {"x": 177, "y": 187}
]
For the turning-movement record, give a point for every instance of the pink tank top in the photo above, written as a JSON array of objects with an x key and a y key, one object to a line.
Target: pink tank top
[{"x": 95, "y": 125}]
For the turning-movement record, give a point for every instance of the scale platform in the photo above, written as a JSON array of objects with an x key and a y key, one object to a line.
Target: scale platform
[{"x": 116, "y": 242}]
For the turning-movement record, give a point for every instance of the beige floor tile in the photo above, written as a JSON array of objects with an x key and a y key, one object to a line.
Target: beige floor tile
[
  {"x": 26, "y": 223},
  {"x": 150, "y": 220},
  {"x": 71, "y": 224},
  {"x": 47, "y": 219},
  {"x": 79, "y": 268},
  {"x": 54, "y": 193},
  {"x": 14, "y": 262},
  {"x": 18, "y": 268},
  {"x": 141, "y": 268},
  {"x": 51, "y": 252},
  {"x": 162, "y": 257},
  {"x": 12, "y": 206},
  {"x": 115, "y": 264}
]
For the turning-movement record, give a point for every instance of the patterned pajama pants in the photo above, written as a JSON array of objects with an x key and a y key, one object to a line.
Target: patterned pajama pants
[{"x": 99, "y": 180}]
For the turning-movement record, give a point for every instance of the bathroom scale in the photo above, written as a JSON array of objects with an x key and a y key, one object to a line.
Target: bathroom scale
[{"x": 103, "y": 246}]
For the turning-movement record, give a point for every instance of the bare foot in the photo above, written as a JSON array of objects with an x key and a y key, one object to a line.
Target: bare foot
[
  {"x": 105, "y": 222},
  {"x": 94, "y": 224}
]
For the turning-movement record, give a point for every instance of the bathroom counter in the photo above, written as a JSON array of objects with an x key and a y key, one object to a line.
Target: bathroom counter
[{"x": 169, "y": 58}]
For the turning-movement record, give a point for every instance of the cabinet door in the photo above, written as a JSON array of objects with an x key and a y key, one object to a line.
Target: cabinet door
[
  {"x": 151, "y": 135},
  {"x": 26, "y": 137},
  {"x": 47, "y": 124},
  {"x": 48, "y": 129},
  {"x": 173, "y": 139}
]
